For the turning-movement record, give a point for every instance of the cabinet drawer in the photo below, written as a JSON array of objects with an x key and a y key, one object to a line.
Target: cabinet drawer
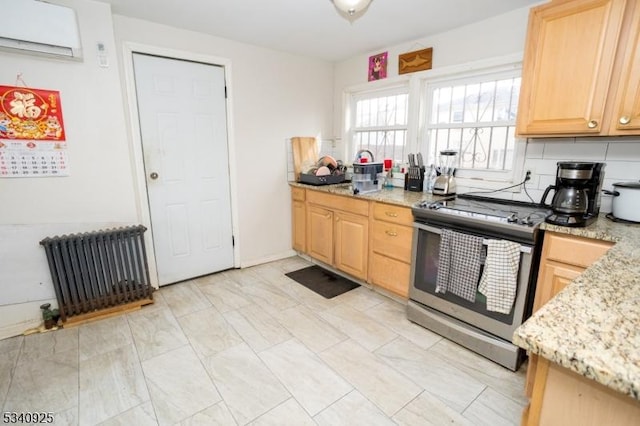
[
  {"x": 297, "y": 194},
  {"x": 337, "y": 202},
  {"x": 392, "y": 240},
  {"x": 391, "y": 213},
  {"x": 574, "y": 250},
  {"x": 390, "y": 274}
]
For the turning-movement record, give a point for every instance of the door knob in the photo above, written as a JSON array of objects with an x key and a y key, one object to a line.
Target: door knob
[
  {"x": 625, "y": 119},
  {"x": 153, "y": 175},
  {"x": 592, "y": 124}
]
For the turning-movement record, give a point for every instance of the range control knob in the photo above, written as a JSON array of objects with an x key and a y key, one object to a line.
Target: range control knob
[
  {"x": 526, "y": 221},
  {"x": 512, "y": 218}
]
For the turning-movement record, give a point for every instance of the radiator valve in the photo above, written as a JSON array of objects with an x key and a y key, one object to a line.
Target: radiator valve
[{"x": 50, "y": 316}]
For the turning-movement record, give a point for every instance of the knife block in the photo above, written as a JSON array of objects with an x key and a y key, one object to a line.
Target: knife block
[{"x": 414, "y": 179}]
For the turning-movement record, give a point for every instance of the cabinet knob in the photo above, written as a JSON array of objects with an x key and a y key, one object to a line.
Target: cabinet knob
[
  {"x": 625, "y": 119},
  {"x": 328, "y": 216},
  {"x": 391, "y": 214},
  {"x": 592, "y": 124},
  {"x": 391, "y": 233}
]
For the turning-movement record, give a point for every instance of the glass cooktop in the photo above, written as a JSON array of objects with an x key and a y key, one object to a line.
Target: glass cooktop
[{"x": 484, "y": 212}]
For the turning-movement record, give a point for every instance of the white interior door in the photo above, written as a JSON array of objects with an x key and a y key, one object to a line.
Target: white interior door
[{"x": 182, "y": 114}]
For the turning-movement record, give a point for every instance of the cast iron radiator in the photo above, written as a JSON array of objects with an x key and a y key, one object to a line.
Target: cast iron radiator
[{"x": 98, "y": 270}]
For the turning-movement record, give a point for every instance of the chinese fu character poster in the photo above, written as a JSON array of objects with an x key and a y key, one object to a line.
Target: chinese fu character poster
[{"x": 30, "y": 114}]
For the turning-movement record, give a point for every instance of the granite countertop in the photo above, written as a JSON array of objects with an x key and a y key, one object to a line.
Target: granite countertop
[
  {"x": 397, "y": 196},
  {"x": 592, "y": 327}
]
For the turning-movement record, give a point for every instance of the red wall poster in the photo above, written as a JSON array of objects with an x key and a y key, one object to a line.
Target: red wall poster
[
  {"x": 32, "y": 136},
  {"x": 32, "y": 114}
]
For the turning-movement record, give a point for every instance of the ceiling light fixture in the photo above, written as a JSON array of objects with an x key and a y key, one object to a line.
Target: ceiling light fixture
[{"x": 351, "y": 9}]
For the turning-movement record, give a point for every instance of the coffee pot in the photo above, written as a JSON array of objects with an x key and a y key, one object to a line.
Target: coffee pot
[{"x": 576, "y": 201}]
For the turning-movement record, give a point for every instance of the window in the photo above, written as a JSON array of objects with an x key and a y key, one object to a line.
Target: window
[
  {"x": 379, "y": 123},
  {"x": 476, "y": 117}
]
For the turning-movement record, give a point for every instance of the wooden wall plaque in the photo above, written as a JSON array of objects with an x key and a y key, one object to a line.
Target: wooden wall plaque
[{"x": 418, "y": 60}]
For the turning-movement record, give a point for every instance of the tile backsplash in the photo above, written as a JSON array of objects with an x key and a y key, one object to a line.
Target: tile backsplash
[{"x": 622, "y": 156}]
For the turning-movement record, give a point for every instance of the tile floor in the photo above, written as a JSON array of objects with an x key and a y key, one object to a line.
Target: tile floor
[{"x": 253, "y": 347}]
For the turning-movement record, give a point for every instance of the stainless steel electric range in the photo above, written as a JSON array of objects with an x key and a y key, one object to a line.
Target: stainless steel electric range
[{"x": 471, "y": 319}]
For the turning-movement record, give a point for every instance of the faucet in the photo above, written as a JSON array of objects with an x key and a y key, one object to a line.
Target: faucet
[{"x": 362, "y": 151}]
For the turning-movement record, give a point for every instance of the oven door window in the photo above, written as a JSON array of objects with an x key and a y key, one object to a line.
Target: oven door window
[{"x": 426, "y": 273}]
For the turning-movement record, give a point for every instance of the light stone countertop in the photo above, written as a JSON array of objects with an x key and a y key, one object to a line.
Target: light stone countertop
[
  {"x": 397, "y": 196},
  {"x": 592, "y": 327}
]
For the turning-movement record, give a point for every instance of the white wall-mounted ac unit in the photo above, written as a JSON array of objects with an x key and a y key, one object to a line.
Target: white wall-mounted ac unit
[{"x": 30, "y": 26}]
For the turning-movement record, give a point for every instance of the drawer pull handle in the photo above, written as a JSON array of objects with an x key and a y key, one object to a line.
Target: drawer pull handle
[
  {"x": 391, "y": 233},
  {"x": 592, "y": 124},
  {"x": 625, "y": 119},
  {"x": 391, "y": 214}
]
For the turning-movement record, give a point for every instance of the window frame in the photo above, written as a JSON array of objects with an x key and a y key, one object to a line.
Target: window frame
[
  {"x": 468, "y": 74},
  {"x": 416, "y": 132},
  {"x": 355, "y": 95}
]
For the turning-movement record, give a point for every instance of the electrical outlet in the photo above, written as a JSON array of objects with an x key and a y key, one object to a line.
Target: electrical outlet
[{"x": 527, "y": 176}]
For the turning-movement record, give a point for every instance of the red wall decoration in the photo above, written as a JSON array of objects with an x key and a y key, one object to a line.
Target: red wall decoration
[{"x": 30, "y": 114}]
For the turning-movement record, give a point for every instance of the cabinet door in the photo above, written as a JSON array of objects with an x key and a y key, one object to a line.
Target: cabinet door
[
  {"x": 298, "y": 220},
  {"x": 568, "y": 62},
  {"x": 626, "y": 118},
  {"x": 320, "y": 234},
  {"x": 352, "y": 241},
  {"x": 553, "y": 277},
  {"x": 390, "y": 274},
  {"x": 392, "y": 240}
]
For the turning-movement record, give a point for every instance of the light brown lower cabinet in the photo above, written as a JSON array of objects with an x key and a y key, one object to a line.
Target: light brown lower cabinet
[
  {"x": 320, "y": 233},
  {"x": 563, "y": 259},
  {"x": 298, "y": 220},
  {"x": 562, "y": 397},
  {"x": 368, "y": 240},
  {"x": 351, "y": 233},
  {"x": 338, "y": 232},
  {"x": 390, "y": 248}
]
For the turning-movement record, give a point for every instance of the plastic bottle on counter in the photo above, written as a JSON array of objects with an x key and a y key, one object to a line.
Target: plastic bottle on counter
[{"x": 430, "y": 178}]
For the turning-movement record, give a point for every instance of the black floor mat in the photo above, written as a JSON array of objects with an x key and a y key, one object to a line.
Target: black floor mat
[{"x": 325, "y": 283}]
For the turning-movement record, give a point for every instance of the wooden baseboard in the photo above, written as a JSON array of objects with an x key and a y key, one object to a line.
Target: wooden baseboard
[{"x": 77, "y": 320}]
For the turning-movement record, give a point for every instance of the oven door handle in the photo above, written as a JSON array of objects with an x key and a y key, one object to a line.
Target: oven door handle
[{"x": 523, "y": 249}]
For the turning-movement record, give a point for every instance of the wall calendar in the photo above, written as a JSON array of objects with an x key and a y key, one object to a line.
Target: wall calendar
[
  {"x": 31, "y": 159},
  {"x": 32, "y": 137}
]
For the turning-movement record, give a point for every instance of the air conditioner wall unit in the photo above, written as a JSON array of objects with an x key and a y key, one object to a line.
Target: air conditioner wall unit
[{"x": 36, "y": 27}]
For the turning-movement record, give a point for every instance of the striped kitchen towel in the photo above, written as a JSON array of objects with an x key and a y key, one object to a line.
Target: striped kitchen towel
[
  {"x": 499, "y": 281},
  {"x": 459, "y": 264}
]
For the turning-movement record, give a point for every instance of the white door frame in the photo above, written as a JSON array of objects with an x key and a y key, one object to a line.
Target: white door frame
[{"x": 139, "y": 175}]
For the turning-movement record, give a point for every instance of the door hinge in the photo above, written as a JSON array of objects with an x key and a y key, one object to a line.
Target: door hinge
[
  {"x": 233, "y": 241},
  {"x": 225, "y": 92}
]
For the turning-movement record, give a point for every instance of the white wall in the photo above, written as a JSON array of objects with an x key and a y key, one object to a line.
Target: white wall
[
  {"x": 97, "y": 194},
  {"x": 495, "y": 37},
  {"x": 275, "y": 96}
]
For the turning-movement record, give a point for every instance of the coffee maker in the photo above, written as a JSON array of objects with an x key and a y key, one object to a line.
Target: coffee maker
[{"x": 576, "y": 201}]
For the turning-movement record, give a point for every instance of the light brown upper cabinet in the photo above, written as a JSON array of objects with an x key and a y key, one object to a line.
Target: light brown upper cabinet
[
  {"x": 626, "y": 117},
  {"x": 581, "y": 70}
]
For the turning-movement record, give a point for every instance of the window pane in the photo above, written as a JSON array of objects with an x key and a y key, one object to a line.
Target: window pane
[
  {"x": 382, "y": 144},
  {"x": 381, "y": 126},
  {"x": 477, "y": 119}
]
